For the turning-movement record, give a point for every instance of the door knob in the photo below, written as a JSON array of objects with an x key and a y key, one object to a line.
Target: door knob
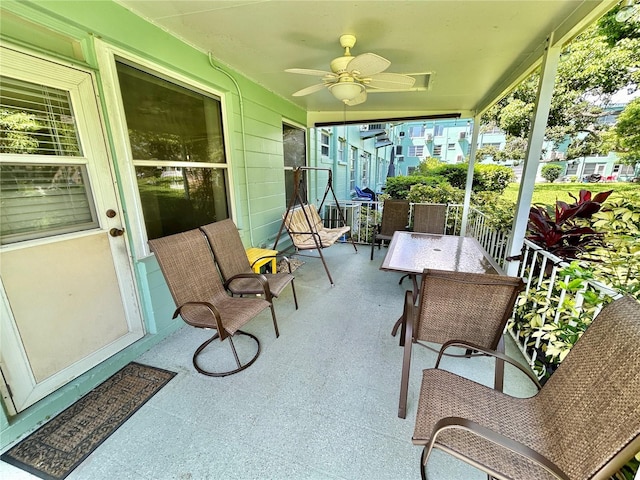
[{"x": 116, "y": 232}]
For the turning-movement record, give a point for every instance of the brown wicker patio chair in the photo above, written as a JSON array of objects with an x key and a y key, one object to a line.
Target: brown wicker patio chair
[
  {"x": 189, "y": 269},
  {"x": 395, "y": 216},
  {"x": 584, "y": 424},
  {"x": 467, "y": 307},
  {"x": 232, "y": 261},
  {"x": 429, "y": 217}
]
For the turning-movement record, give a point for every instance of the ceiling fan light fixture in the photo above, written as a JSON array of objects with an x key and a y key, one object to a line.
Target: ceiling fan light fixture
[{"x": 345, "y": 91}]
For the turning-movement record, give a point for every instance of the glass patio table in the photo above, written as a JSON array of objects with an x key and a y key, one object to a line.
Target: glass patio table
[{"x": 412, "y": 252}]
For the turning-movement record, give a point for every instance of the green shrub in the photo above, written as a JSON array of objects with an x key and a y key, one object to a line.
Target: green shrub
[
  {"x": 398, "y": 187},
  {"x": 550, "y": 172},
  {"x": 492, "y": 178},
  {"x": 442, "y": 193}
]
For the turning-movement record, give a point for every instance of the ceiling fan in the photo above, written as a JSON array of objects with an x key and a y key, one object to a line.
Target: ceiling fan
[{"x": 350, "y": 77}]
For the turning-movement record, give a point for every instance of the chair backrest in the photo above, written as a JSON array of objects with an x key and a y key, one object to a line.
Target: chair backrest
[
  {"x": 429, "y": 217},
  {"x": 227, "y": 247},
  {"x": 472, "y": 307},
  {"x": 189, "y": 269},
  {"x": 591, "y": 403},
  {"x": 395, "y": 216},
  {"x": 300, "y": 222}
]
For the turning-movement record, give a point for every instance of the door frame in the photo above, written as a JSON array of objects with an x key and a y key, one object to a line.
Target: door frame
[{"x": 82, "y": 85}]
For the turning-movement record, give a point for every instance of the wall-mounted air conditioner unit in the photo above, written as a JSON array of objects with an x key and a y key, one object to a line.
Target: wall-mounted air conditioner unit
[
  {"x": 463, "y": 135},
  {"x": 401, "y": 134},
  {"x": 364, "y": 128},
  {"x": 429, "y": 137}
]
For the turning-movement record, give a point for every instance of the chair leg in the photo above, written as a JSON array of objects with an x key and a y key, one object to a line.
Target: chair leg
[
  {"x": 406, "y": 363},
  {"x": 423, "y": 464},
  {"x": 326, "y": 268},
  {"x": 275, "y": 322},
  {"x": 235, "y": 354},
  {"x": 373, "y": 245},
  {"x": 295, "y": 298}
]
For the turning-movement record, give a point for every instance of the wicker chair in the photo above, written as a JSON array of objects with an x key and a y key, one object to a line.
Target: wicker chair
[
  {"x": 232, "y": 261},
  {"x": 584, "y": 424},
  {"x": 429, "y": 217},
  {"x": 189, "y": 269},
  {"x": 467, "y": 307},
  {"x": 395, "y": 216}
]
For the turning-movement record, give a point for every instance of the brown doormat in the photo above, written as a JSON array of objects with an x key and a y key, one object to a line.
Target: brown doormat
[{"x": 59, "y": 446}]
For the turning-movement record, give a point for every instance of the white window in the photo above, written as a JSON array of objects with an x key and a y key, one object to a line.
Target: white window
[
  {"x": 342, "y": 150},
  {"x": 451, "y": 146},
  {"x": 438, "y": 130},
  {"x": 177, "y": 147},
  {"x": 437, "y": 150},
  {"x": 324, "y": 144},
  {"x": 366, "y": 160},
  {"x": 50, "y": 195},
  {"x": 416, "y": 132},
  {"x": 416, "y": 151},
  {"x": 353, "y": 154}
]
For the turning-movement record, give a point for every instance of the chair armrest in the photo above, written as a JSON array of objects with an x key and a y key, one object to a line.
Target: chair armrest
[
  {"x": 492, "y": 353},
  {"x": 264, "y": 283},
  {"x": 496, "y": 438},
  {"x": 214, "y": 311}
]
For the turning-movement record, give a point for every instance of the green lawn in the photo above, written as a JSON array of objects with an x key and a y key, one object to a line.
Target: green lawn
[{"x": 548, "y": 193}]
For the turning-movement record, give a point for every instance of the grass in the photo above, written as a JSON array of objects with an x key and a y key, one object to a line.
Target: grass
[{"x": 548, "y": 193}]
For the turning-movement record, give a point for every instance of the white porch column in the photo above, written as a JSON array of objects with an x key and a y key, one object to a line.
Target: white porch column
[
  {"x": 469, "y": 185},
  {"x": 534, "y": 150}
]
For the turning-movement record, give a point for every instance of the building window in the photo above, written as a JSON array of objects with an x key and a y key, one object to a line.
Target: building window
[
  {"x": 416, "y": 132},
  {"x": 437, "y": 150},
  {"x": 411, "y": 170},
  {"x": 451, "y": 146},
  {"x": 438, "y": 130},
  {"x": 342, "y": 150},
  {"x": 366, "y": 160},
  {"x": 177, "y": 146},
  {"x": 416, "y": 151},
  {"x": 398, "y": 150},
  {"x": 324, "y": 144},
  {"x": 353, "y": 154}
]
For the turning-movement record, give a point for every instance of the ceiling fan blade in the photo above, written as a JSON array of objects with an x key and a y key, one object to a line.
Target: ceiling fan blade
[
  {"x": 309, "y": 90},
  {"x": 361, "y": 98},
  {"x": 308, "y": 71},
  {"x": 368, "y": 64},
  {"x": 391, "y": 81}
]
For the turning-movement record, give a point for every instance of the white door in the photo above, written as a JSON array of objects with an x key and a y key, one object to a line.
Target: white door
[{"x": 68, "y": 299}]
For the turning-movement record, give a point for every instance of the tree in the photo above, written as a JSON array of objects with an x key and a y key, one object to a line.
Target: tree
[
  {"x": 15, "y": 132},
  {"x": 550, "y": 172},
  {"x": 597, "y": 64},
  {"x": 628, "y": 132},
  {"x": 487, "y": 152}
]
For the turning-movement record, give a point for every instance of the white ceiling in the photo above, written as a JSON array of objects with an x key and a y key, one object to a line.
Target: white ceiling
[{"x": 475, "y": 50}]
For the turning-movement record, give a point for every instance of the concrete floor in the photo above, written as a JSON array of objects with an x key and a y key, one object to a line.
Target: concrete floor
[{"x": 319, "y": 403}]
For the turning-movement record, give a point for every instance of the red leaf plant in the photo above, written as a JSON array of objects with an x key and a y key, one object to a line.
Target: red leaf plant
[{"x": 564, "y": 235}]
